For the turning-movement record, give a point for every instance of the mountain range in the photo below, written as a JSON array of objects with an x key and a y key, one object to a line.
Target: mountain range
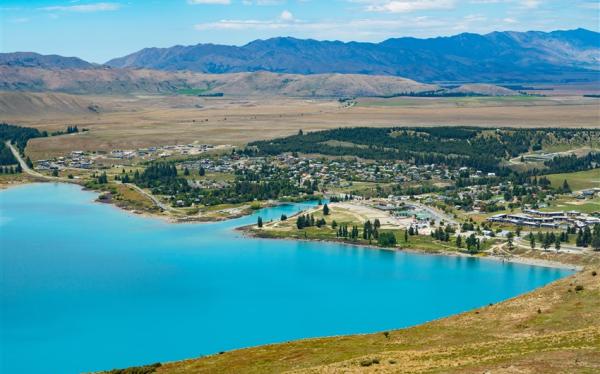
[
  {"x": 571, "y": 55},
  {"x": 310, "y": 68}
]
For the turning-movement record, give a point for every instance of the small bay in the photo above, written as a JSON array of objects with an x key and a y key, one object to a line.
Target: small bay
[{"x": 86, "y": 286}]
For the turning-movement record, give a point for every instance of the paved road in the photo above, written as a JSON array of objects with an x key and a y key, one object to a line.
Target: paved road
[
  {"x": 156, "y": 202},
  {"x": 33, "y": 173},
  {"x": 24, "y": 165}
]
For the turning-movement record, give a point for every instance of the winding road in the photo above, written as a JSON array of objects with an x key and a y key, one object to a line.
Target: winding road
[
  {"x": 30, "y": 171},
  {"x": 156, "y": 202},
  {"x": 33, "y": 173}
]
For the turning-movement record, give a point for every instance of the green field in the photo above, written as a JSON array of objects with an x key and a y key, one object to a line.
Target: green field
[
  {"x": 193, "y": 91},
  {"x": 578, "y": 181},
  {"x": 566, "y": 204}
]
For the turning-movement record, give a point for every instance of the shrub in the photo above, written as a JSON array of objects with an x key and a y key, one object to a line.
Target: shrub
[
  {"x": 148, "y": 369},
  {"x": 386, "y": 239},
  {"x": 579, "y": 288},
  {"x": 369, "y": 362}
]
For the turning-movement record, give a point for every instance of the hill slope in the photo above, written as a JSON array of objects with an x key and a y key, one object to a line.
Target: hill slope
[
  {"x": 494, "y": 57},
  {"x": 554, "y": 329},
  {"x": 108, "y": 81},
  {"x": 35, "y": 60},
  {"x": 14, "y": 103}
]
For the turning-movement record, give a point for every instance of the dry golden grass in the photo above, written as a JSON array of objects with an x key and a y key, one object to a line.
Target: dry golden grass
[
  {"x": 132, "y": 122},
  {"x": 553, "y": 329}
]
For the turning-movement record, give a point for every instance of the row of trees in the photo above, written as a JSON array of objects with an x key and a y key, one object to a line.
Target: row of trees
[
  {"x": 308, "y": 220},
  {"x": 19, "y": 136},
  {"x": 451, "y": 146},
  {"x": 442, "y": 234},
  {"x": 10, "y": 169},
  {"x": 343, "y": 232},
  {"x": 586, "y": 237}
]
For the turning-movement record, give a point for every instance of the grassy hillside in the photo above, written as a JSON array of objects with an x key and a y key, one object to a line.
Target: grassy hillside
[
  {"x": 577, "y": 181},
  {"x": 553, "y": 329}
]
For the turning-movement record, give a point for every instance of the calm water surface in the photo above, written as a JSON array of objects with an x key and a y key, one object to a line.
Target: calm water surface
[{"x": 86, "y": 286}]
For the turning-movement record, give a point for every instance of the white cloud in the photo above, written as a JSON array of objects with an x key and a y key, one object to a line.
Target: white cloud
[
  {"x": 509, "y": 20},
  {"x": 343, "y": 29},
  {"x": 221, "y": 2},
  {"x": 286, "y": 16},
  {"x": 405, "y": 6},
  {"x": 84, "y": 8},
  {"x": 262, "y": 2},
  {"x": 530, "y": 4}
]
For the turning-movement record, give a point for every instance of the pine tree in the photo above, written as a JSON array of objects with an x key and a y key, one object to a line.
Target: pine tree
[
  {"x": 596, "y": 238},
  {"x": 259, "y": 222},
  {"x": 547, "y": 242},
  {"x": 579, "y": 239},
  {"x": 325, "y": 210},
  {"x": 510, "y": 236},
  {"x": 531, "y": 241}
]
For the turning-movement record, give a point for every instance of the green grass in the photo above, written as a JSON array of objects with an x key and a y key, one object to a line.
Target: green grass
[
  {"x": 568, "y": 203},
  {"x": 193, "y": 91},
  {"x": 417, "y": 242},
  {"x": 577, "y": 181}
]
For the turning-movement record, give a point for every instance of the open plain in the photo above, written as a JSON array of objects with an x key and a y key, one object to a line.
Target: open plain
[{"x": 129, "y": 122}]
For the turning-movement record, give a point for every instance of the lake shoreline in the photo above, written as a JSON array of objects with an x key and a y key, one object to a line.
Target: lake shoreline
[
  {"x": 242, "y": 211},
  {"x": 247, "y": 231},
  {"x": 146, "y": 239}
]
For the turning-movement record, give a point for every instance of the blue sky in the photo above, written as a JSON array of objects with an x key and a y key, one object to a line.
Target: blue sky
[{"x": 99, "y": 30}]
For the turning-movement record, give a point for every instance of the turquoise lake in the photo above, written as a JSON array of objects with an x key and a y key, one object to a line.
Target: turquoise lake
[{"x": 85, "y": 286}]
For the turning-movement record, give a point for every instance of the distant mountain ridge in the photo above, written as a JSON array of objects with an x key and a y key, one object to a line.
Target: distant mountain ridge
[
  {"x": 570, "y": 55},
  {"x": 36, "y": 60},
  {"x": 103, "y": 80}
]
